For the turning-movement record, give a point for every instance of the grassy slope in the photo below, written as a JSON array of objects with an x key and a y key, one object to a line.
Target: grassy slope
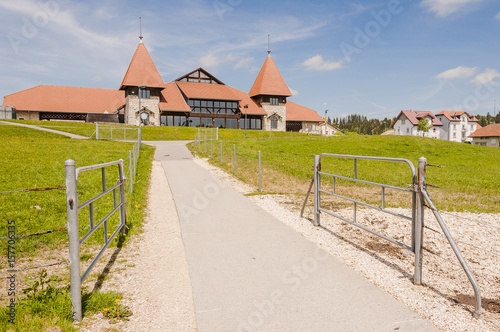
[
  {"x": 32, "y": 159},
  {"x": 292, "y": 157},
  {"x": 79, "y": 128},
  {"x": 150, "y": 133}
]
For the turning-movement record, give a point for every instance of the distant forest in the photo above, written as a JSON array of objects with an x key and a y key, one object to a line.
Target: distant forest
[
  {"x": 487, "y": 119},
  {"x": 360, "y": 124}
]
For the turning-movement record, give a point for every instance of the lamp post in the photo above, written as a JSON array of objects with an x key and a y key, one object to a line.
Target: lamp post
[
  {"x": 326, "y": 112},
  {"x": 140, "y": 117},
  {"x": 246, "y": 109},
  {"x": 141, "y": 87}
]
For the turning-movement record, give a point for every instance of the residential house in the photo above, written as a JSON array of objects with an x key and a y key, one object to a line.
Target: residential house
[
  {"x": 457, "y": 125},
  {"x": 406, "y": 123},
  {"x": 487, "y": 136},
  {"x": 327, "y": 129}
]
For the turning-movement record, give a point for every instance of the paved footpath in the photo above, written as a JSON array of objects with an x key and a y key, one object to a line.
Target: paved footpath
[{"x": 250, "y": 272}]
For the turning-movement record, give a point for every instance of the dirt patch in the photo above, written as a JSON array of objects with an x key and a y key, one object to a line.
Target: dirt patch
[{"x": 487, "y": 304}]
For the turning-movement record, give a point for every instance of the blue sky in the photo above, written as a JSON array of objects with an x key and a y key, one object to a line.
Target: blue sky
[{"x": 367, "y": 57}]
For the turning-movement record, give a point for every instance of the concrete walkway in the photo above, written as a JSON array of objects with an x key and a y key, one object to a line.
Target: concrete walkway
[
  {"x": 44, "y": 129},
  {"x": 250, "y": 272}
]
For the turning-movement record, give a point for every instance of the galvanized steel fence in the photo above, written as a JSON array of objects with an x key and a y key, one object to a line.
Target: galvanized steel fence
[
  {"x": 118, "y": 133},
  {"x": 73, "y": 206},
  {"x": 418, "y": 190}
]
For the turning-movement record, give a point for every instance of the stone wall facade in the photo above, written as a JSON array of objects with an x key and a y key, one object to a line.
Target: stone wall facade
[
  {"x": 279, "y": 110},
  {"x": 25, "y": 115},
  {"x": 150, "y": 105}
]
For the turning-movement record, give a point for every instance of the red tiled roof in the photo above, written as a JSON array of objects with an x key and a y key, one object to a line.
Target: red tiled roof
[
  {"x": 296, "y": 112},
  {"x": 253, "y": 106},
  {"x": 51, "y": 98},
  {"x": 414, "y": 116},
  {"x": 171, "y": 99},
  {"x": 269, "y": 81},
  {"x": 207, "y": 91},
  {"x": 455, "y": 115},
  {"x": 492, "y": 130},
  {"x": 142, "y": 70}
]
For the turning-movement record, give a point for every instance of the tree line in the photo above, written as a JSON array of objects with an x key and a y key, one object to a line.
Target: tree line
[
  {"x": 487, "y": 119},
  {"x": 361, "y": 125}
]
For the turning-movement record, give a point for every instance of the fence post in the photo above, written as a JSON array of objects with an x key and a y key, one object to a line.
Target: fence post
[
  {"x": 205, "y": 142},
  {"x": 260, "y": 174},
  {"x": 419, "y": 222},
  {"x": 135, "y": 156},
  {"x": 234, "y": 159},
  {"x": 131, "y": 179},
  {"x": 317, "y": 185},
  {"x": 139, "y": 136},
  {"x": 355, "y": 176},
  {"x": 123, "y": 207},
  {"x": 97, "y": 131},
  {"x": 211, "y": 146},
  {"x": 217, "y": 134},
  {"x": 221, "y": 152},
  {"x": 73, "y": 239}
]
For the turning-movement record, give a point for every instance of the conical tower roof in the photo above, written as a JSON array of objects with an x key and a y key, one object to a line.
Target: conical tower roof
[
  {"x": 142, "y": 71},
  {"x": 269, "y": 81}
]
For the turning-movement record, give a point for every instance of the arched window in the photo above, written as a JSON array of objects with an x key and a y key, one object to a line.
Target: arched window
[{"x": 274, "y": 123}]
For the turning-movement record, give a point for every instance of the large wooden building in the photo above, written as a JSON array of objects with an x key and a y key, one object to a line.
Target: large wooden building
[{"x": 197, "y": 99}]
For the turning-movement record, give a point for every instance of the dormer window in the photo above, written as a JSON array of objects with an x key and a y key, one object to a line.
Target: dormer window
[
  {"x": 274, "y": 101},
  {"x": 144, "y": 94}
]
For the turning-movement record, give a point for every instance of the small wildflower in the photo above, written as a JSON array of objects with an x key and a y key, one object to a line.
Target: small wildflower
[{"x": 117, "y": 300}]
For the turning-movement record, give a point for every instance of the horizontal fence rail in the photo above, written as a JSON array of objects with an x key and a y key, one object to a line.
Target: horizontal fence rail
[
  {"x": 73, "y": 207},
  {"x": 119, "y": 133},
  {"x": 417, "y": 222},
  {"x": 419, "y": 197}
]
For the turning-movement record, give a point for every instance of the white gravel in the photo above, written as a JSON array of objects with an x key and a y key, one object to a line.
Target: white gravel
[
  {"x": 446, "y": 297},
  {"x": 151, "y": 271}
]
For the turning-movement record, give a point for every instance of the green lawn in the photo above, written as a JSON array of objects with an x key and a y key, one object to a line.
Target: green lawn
[
  {"x": 35, "y": 159},
  {"x": 474, "y": 170},
  {"x": 150, "y": 133},
  {"x": 78, "y": 128}
]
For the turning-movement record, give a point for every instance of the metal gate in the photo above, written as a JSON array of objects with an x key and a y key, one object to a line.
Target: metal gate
[
  {"x": 419, "y": 194},
  {"x": 415, "y": 218},
  {"x": 73, "y": 206}
]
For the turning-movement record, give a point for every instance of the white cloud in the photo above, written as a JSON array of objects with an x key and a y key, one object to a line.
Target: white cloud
[
  {"x": 97, "y": 78},
  {"x": 209, "y": 60},
  {"x": 214, "y": 60},
  {"x": 459, "y": 72},
  {"x": 293, "y": 91},
  {"x": 486, "y": 77},
  {"x": 498, "y": 16},
  {"x": 244, "y": 63},
  {"x": 318, "y": 63},
  {"x": 64, "y": 20},
  {"x": 443, "y": 8}
]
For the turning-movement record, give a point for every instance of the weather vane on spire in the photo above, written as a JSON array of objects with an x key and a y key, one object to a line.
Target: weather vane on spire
[
  {"x": 140, "y": 28},
  {"x": 269, "y": 44}
]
